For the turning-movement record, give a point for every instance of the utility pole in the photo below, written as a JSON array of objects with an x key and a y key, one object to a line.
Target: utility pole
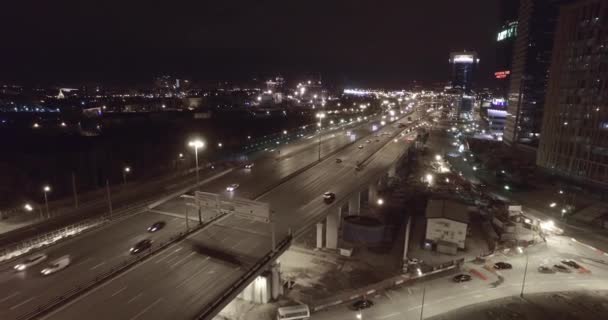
[
  {"x": 109, "y": 196},
  {"x": 422, "y": 306},
  {"x": 523, "y": 283},
  {"x": 74, "y": 190}
]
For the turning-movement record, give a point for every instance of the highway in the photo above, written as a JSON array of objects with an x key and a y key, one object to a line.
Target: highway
[
  {"x": 100, "y": 250},
  {"x": 181, "y": 280},
  {"x": 443, "y": 295}
]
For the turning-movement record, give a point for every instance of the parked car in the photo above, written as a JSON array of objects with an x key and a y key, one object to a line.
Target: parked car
[
  {"x": 56, "y": 265},
  {"x": 502, "y": 266},
  {"x": 30, "y": 261},
  {"x": 462, "y": 278},
  {"x": 571, "y": 263},
  {"x": 156, "y": 226},
  {"x": 561, "y": 268},
  {"x": 338, "y": 160},
  {"x": 360, "y": 146},
  {"x": 545, "y": 269}
]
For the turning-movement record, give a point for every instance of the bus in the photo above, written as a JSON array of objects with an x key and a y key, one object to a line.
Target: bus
[{"x": 293, "y": 312}]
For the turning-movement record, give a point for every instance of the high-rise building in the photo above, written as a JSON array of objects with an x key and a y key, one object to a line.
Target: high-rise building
[
  {"x": 529, "y": 69},
  {"x": 463, "y": 67},
  {"x": 505, "y": 38},
  {"x": 574, "y": 139}
]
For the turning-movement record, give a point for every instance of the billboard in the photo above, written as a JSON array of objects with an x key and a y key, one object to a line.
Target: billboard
[{"x": 241, "y": 207}]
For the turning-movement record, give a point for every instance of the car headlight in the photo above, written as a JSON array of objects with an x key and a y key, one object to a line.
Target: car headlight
[
  {"x": 20, "y": 267},
  {"x": 132, "y": 249},
  {"x": 46, "y": 271}
]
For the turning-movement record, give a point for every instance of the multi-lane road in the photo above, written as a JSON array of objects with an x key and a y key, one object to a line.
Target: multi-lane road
[{"x": 182, "y": 278}]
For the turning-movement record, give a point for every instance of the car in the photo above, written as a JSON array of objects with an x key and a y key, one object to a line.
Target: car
[
  {"x": 56, "y": 265},
  {"x": 329, "y": 197},
  {"x": 360, "y": 146},
  {"x": 363, "y": 304},
  {"x": 571, "y": 263},
  {"x": 502, "y": 266},
  {"x": 30, "y": 261},
  {"x": 338, "y": 160},
  {"x": 368, "y": 141},
  {"x": 141, "y": 246},
  {"x": 249, "y": 165},
  {"x": 545, "y": 269},
  {"x": 156, "y": 226},
  {"x": 462, "y": 278},
  {"x": 232, "y": 187},
  {"x": 561, "y": 268}
]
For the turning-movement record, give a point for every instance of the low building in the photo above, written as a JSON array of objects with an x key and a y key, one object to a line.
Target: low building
[{"x": 447, "y": 222}]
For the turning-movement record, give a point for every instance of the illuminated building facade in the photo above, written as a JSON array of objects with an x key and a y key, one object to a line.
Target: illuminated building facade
[
  {"x": 529, "y": 71},
  {"x": 574, "y": 139},
  {"x": 463, "y": 67}
]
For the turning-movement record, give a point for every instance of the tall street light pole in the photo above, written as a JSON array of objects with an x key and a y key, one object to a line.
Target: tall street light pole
[
  {"x": 125, "y": 171},
  {"x": 523, "y": 283},
  {"x": 320, "y": 116},
  {"x": 196, "y": 144},
  {"x": 46, "y": 189}
]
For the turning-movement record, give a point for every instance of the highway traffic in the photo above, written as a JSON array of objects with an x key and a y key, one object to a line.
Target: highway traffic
[{"x": 104, "y": 248}]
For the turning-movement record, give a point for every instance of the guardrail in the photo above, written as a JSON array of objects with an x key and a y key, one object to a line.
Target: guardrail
[
  {"x": 112, "y": 272},
  {"x": 16, "y": 250},
  {"x": 215, "y": 306},
  {"x": 390, "y": 283}
]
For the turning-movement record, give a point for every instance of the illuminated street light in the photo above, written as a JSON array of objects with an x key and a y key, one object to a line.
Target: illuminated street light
[
  {"x": 63, "y": 124},
  {"x": 380, "y": 201},
  {"x": 28, "y": 207},
  {"x": 437, "y": 157},
  {"x": 552, "y": 205},
  {"x": 36, "y": 125},
  {"x": 46, "y": 189},
  {"x": 474, "y": 168},
  {"x": 219, "y": 145},
  {"x": 125, "y": 171},
  {"x": 196, "y": 144},
  {"x": 359, "y": 316},
  {"x": 284, "y": 131},
  {"x": 507, "y": 187},
  {"x": 429, "y": 178},
  {"x": 320, "y": 116}
]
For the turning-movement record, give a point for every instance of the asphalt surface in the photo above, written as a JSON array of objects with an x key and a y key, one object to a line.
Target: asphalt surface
[
  {"x": 181, "y": 280},
  {"x": 98, "y": 251}
]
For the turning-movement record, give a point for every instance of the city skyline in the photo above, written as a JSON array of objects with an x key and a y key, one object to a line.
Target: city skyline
[{"x": 359, "y": 44}]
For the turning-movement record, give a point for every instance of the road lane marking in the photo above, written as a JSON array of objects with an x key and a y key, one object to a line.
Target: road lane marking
[
  {"x": 146, "y": 309},
  {"x": 390, "y": 315},
  {"x": 22, "y": 303},
  {"x": 193, "y": 275},
  {"x": 134, "y": 298},
  {"x": 98, "y": 265},
  {"x": 168, "y": 254},
  {"x": 10, "y": 296},
  {"x": 83, "y": 261},
  {"x": 119, "y": 291},
  {"x": 182, "y": 259}
]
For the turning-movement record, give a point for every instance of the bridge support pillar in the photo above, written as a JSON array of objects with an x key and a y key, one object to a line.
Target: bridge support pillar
[
  {"x": 392, "y": 171},
  {"x": 319, "y": 235},
  {"x": 332, "y": 224},
  {"x": 372, "y": 193},
  {"x": 354, "y": 204},
  {"x": 277, "y": 288}
]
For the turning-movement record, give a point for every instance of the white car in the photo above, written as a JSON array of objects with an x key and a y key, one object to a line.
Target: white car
[
  {"x": 56, "y": 265},
  {"x": 360, "y": 146},
  {"x": 31, "y": 261},
  {"x": 249, "y": 165},
  {"x": 232, "y": 187}
]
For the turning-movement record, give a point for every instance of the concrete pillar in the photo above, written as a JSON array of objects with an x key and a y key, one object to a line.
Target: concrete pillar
[
  {"x": 276, "y": 287},
  {"x": 392, "y": 171},
  {"x": 354, "y": 204},
  {"x": 332, "y": 224},
  {"x": 319, "y": 235},
  {"x": 372, "y": 192}
]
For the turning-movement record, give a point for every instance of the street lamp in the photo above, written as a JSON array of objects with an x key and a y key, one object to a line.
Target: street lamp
[
  {"x": 380, "y": 201},
  {"x": 320, "y": 116},
  {"x": 219, "y": 145},
  {"x": 28, "y": 207},
  {"x": 196, "y": 144},
  {"x": 46, "y": 189},
  {"x": 125, "y": 171}
]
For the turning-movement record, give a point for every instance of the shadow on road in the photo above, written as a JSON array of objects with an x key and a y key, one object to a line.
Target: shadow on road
[{"x": 221, "y": 255}]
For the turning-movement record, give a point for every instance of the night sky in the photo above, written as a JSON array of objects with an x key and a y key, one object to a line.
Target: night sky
[{"x": 373, "y": 42}]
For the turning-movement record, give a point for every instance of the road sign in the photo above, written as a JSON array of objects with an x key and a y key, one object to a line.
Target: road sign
[{"x": 247, "y": 209}]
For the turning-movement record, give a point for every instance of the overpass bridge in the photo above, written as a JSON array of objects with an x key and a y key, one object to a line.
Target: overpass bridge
[{"x": 198, "y": 276}]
